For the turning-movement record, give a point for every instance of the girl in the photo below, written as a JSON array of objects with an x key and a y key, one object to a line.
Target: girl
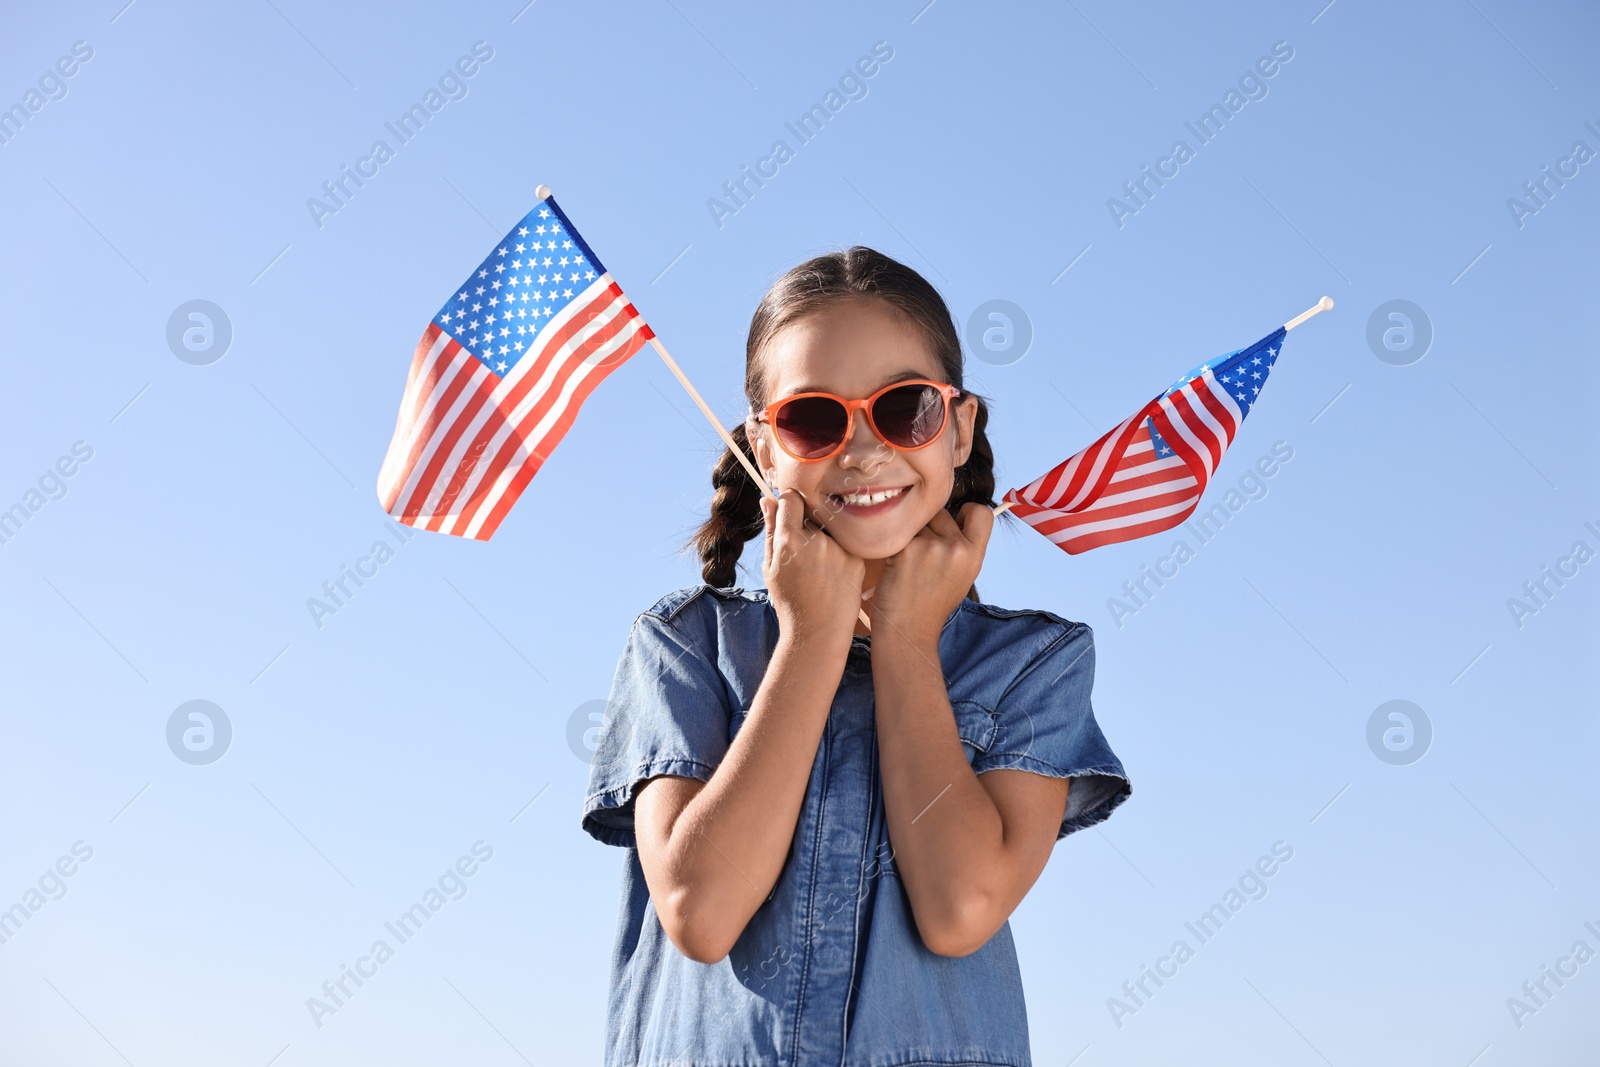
[{"x": 835, "y": 790}]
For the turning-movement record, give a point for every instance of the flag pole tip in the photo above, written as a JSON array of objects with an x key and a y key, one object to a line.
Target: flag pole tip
[
  {"x": 543, "y": 193},
  {"x": 1326, "y": 303}
]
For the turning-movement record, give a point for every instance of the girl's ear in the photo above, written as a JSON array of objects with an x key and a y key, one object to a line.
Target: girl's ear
[
  {"x": 966, "y": 413},
  {"x": 758, "y": 446}
]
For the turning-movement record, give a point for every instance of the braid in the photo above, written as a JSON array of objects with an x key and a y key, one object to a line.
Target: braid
[
  {"x": 735, "y": 515},
  {"x": 974, "y": 479}
]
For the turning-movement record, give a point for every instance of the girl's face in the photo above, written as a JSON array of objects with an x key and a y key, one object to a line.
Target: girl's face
[{"x": 853, "y": 349}]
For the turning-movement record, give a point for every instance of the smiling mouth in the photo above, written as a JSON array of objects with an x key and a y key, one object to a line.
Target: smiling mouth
[{"x": 861, "y": 500}]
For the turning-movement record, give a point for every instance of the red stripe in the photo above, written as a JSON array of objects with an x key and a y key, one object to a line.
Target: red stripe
[{"x": 1224, "y": 417}]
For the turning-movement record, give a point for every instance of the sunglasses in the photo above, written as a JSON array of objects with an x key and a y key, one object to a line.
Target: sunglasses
[{"x": 906, "y": 415}]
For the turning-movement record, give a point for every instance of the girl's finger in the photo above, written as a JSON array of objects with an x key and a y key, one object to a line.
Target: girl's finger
[{"x": 768, "y": 516}]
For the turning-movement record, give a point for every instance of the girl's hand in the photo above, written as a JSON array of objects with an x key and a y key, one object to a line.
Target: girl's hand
[
  {"x": 925, "y": 581},
  {"x": 814, "y": 584}
]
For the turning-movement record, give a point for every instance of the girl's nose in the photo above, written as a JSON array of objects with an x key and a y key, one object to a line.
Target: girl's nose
[{"x": 862, "y": 447}]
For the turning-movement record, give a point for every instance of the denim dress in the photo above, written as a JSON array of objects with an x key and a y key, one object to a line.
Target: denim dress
[{"x": 830, "y": 969}]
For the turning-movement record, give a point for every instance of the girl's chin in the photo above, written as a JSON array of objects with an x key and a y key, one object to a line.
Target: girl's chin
[{"x": 873, "y": 546}]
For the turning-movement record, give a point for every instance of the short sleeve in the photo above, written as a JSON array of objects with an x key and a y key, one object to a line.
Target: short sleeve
[
  {"x": 667, "y": 713},
  {"x": 1046, "y": 725}
]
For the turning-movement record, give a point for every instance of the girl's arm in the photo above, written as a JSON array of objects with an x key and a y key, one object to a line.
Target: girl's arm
[
  {"x": 967, "y": 847},
  {"x": 712, "y": 851},
  {"x": 968, "y": 850}
]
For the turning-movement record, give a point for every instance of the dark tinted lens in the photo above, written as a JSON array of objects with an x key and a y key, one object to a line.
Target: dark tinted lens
[
  {"x": 910, "y": 415},
  {"x": 810, "y": 426}
]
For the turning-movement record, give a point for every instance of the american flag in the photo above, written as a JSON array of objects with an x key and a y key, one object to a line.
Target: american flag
[
  {"x": 1147, "y": 473},
  {"x": 499, "y": 375}
]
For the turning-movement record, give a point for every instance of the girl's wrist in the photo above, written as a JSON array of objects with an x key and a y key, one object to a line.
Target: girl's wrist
[{"x": 814, "y": 646}]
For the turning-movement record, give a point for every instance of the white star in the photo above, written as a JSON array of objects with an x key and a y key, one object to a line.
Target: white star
[
  {"x": 521, "y": 247},
  {"x": 547, "y": 261},
  {"x": 516, "y": 264},
  {"x": 567, "y": 293},
  {"x": 589, "y": 276},
  {"x": 501, "y": 366},
  {"x": 504, "y": 349},
  {"x": 518, "y": 346},
  {"x": 544, "y": 213},
  {"x": 541, "y": 279},
  {"x": 493, "y": 300},
  {"x": 473, "y": 325},
  {"x": 463, "y": 296},
  {"x": 500, "y": 251},
  {"x": 495, "y": 284},
  {"x": 540, "y": 229},
  {"x": 499, "y": 267},
  {"x": 523, "y": 232},
  {"x": 476, "y": 307},
  {"x": 505, "y": 331},
  {"x": 445, "y": 317},
  {"x": 483, "y": 274}
]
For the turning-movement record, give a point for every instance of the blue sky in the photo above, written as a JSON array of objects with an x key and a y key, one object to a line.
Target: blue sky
[{"x": 432, "y": 714}]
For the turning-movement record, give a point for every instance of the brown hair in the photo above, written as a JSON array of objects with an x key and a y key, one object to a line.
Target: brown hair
[{"x": 815, "y": 284}]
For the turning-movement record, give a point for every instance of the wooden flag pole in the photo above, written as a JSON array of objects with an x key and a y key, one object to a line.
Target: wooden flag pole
[
  {"x": 1325, "y": 304},
  {"x": 715, "y": 423}
]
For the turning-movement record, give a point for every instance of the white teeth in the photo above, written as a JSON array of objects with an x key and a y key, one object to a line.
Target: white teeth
[{"x": 866, "y": 499}]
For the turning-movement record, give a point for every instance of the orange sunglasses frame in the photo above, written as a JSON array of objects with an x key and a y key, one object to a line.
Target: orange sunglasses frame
[{"x": 864, "y": 405}]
